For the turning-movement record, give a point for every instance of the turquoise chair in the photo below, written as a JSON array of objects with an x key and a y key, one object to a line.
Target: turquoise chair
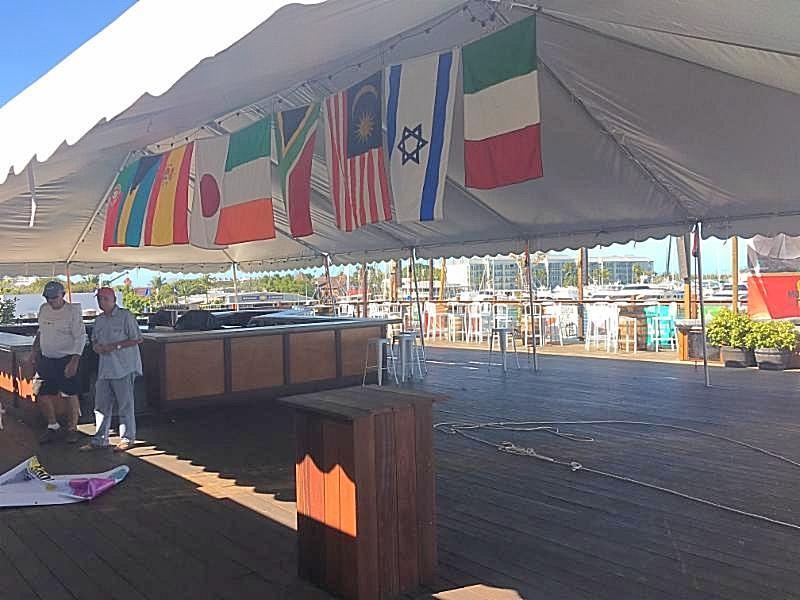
[{"x": 661, "y": 326}]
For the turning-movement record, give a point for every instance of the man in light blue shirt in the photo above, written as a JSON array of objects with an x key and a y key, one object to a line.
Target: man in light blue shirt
[{"x": 115, "y": 338}]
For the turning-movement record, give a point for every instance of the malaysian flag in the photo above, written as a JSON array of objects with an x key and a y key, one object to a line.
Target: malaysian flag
[{"x": 356, "y": 161}]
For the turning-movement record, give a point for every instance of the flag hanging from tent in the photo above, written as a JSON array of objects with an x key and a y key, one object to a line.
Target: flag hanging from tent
[
  {"x": 149, "y": 202},
  {"x": 295, "y": 135},
  {"x": 419, "y": 117},
  {"x": 233, "y": 190},
  {"x": 167, "y": 220},
  {"x": 356, "y": 157},
  {"x": 502, "y": 142},
  {"x": 116, "y": 198}
]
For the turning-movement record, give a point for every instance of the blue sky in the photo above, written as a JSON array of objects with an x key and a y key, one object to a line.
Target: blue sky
[{"x": 37, "y": 35}]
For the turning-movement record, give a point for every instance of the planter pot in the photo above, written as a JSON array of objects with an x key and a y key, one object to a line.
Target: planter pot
[
  {"x": 737, "y": 357},
  {"x": 771, "y": 359}
]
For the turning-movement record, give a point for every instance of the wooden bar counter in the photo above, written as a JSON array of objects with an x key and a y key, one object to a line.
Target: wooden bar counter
[
  {"x": 183, "y": 369},
  {"x": 15, "y": 389}
]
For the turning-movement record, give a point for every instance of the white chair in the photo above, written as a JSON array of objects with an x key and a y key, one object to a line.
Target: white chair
[
  {"x": 602, "y": 324},
  {"x": 436, "y": 325},
  {"x": 390, "y": 364},
  {"x": 474, "y": 322}
]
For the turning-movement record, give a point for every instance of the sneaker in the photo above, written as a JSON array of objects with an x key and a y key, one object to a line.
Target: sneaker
[
  {"x": 123, "y": 447},
  {"x": 91, "y": 447},
  {"x": 73, "y": 437},
  {"x": 49, "y": 436}
]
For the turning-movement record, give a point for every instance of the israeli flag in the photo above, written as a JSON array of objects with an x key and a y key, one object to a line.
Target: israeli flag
[{"x": 419, "y": 117}]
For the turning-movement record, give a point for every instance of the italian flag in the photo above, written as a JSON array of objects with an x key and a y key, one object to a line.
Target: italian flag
[
  {"x": 502, "y": 142},
  {"x": 233, "y": 192}
]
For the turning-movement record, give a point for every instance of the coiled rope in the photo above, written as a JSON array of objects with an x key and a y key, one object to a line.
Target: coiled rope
[{"x": 465, "y": 430}]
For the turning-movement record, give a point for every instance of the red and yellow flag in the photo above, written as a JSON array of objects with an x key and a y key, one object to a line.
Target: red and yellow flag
[{"x": 167, "y": 220}]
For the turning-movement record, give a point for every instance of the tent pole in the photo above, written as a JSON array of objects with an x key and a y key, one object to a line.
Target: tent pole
[
  {"x": 364, "y": 289},
  {"x": 330, "y": 283},
  {"x": 698, "y": 231},
  {"x": 443, "y": 281},
  {"x": 32, "y": 188},
  {"x": 416, "y": 294},
  {"x": 235, "y": 288},
  {"x": 735, "y": 274},
  {"x": 583, "y": 270},
  {"x": 530, "y": 302},
  {"x": 431, "y": 297},
  {"x": 69, "y": 283}
]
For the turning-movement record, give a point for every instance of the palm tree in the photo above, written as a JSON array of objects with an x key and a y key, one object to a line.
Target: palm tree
[{"x": 156, "y": 283}]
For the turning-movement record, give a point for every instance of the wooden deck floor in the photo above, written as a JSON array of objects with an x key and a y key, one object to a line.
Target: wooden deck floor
[{"x": 207, "y": 511}]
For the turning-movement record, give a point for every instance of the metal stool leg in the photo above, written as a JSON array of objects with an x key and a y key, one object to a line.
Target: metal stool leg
[
  {"x": 503, "y": 350},
  {"x": 391, "y": 357},
  {"x": 491, "y": 343},
  {"x": 379, "y": 360},
  {"x": 514, "y": 347}
]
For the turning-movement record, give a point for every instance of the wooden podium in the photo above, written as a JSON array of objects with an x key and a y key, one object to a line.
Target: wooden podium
[{"x": 365, "y": 491}]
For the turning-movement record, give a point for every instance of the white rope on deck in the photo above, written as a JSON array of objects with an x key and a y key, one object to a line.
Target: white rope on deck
[{"x": 507, "y": 447}]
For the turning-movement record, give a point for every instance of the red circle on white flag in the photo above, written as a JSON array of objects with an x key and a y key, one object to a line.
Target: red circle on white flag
[{"x": 209, "y": 195}]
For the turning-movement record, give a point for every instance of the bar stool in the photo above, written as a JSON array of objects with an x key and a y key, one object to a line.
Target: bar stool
[
  {"x": 410, "y": 354},
  {"x": 630, "y": 323},
  {"x": 502, "y": 339},
  {"x": 380, "y": 344}
]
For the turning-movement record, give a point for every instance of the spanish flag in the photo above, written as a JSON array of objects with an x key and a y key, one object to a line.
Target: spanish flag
[
  {"x": 149, "y": 202},
  {"x": 167, "y": 220}
]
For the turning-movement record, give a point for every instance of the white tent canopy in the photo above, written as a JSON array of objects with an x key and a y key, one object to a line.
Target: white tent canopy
[{"x": 655, "y": 114}]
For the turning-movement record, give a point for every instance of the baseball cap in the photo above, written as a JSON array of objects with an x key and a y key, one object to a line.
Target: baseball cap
[
  {"x": 53, "y": 289},
  {"x": 106, "y": 291}
]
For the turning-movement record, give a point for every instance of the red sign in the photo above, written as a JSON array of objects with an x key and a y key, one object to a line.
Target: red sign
[{"x": 773, "y": 295}]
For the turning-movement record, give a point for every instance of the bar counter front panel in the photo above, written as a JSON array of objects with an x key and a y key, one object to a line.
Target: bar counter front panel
[
  {"x": 186, "y": 369},
  {"x": 183, "y": 369}
]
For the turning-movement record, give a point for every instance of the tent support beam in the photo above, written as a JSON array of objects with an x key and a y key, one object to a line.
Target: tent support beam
[
  {"x": 735, "y": 274},
  {"x": 99, "y": 208},
  {"x": 32, "y": 188},
  {"x": 698, "y": 241},
  {"x": 364, "y": 288},
  {"x": 530, "y": 303},
  {"x": 327, "y": 259},
  {"x": 419, "y": 305},
  {"x": 235, "y": 288},
  {"x": 69, "y": 283}
]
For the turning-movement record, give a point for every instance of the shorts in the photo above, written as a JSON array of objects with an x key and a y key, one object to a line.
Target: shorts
[{"x": 50, "y": 379}]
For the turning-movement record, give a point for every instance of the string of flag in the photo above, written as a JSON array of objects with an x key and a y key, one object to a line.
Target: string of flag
[{"x": 387, "y": 143}]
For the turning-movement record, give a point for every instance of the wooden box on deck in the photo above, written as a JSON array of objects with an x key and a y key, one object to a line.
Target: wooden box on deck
[{"x": 365, "y": 491}]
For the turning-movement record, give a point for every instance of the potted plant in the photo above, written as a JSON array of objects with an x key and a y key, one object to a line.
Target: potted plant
[
  {"x": 729, "y": 331},
  {"x": 774, "y": 342}
]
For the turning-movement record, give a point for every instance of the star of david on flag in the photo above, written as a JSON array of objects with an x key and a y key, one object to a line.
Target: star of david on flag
[
  {"x": 411, "y": 143},
  {"x": 420, "y": 95}
]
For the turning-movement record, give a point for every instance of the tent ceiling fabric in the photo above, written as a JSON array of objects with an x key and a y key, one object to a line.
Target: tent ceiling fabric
[{"x": 655, "y": 114}]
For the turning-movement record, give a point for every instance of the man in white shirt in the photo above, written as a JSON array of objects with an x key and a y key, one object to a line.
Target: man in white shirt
[{"x": 56, "y": 354}]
